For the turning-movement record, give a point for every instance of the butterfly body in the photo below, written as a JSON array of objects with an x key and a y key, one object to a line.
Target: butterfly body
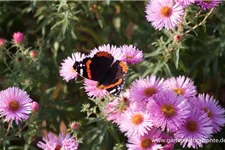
[{"x": 102, "y": 68}]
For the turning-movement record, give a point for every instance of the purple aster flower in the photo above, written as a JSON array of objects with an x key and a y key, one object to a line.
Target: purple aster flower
[
  {"x": 52, "y": 142},
  {"x": 131, "y": 54},
  {"x": 93, "y": 89},
  {"x": 211, "y": 107},
  {"x": 185, "y": 3},
  {"x": 169, "y": 111},
  {"x": 196, "y": 130},
  {"x": 135, "y": 123},
  {"x": 167, "y": 141},
  {"x": 142, "y": 89},
  {"x": 15, "y": 105},
  {"x": 181, "y": 86},
  {"x": 164, "y": 13},
  {"x": 208, "y": 4},
  {"x": 66, "y": 70},
  {"x": 146, "y": 141},
  {"x": 113, "y": 50}
]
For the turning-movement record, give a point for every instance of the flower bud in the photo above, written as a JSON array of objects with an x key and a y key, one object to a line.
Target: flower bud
[
  {"x": 177, "y": 38},
  {"x": 19, "y": 59},
  {"x": 33, "y": 54},
  {"x": 75, "y": 125},
  {"x": 35, "y": 106},
  {"x": 18, "y": 37},
  {"x": 2, "y": 42}
]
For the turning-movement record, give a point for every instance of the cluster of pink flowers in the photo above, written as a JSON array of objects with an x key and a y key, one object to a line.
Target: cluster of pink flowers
[
  {"x": 16, "y": 105},
  {"x": 157, "y": 109},
  {"x": 127, "y": 53},
  {"x": 168, "y": 13},
  {"x": 52, "y": 142}
]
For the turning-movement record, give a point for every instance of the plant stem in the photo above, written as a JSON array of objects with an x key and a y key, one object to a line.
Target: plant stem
[
  {"x": 201, "y": 23},
  {"x": 7, "y": 132},
  {"x": 18, "y": 131}
]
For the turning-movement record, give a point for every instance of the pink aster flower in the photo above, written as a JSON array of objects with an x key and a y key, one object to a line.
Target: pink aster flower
[
  {"x": 135, "y": 123},
  {"x": 208, "y": 4},
  {"x": 52, "y": 142},
  {"x": 211, "y": 107},
  {"x": 15, "y": 105},
  {"x": 181, "y": 86},
  {"x": 114, "y": 109},
  {"x": 142, "y": 89},
  {"x": 131, "y": 54},
  {"x": 164, "y": 13},
  {"x": 146, "y": 141},
  {"x": 169, "y": 111},
  {"x": 185, "y": 3},
  {"x": 66, "y": 70},
  {"x": 68, "y": 142},
  {"x": 18, "y": 37},
  {"x": 113, "y": 50},
  {"x": 93, "y": 90},
  {"x": 196, "y": 130}
]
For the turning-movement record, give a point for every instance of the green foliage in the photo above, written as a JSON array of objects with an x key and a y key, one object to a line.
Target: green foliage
[{"x": 56, "y": 29}]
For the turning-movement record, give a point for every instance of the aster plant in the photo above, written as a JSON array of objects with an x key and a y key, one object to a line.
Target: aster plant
[{"x": 112, "y": 75}]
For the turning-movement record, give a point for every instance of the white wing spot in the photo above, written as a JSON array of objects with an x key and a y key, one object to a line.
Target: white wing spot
[
  {"x": 114, "y": 90},
  {"x": 81, "y": 72}
]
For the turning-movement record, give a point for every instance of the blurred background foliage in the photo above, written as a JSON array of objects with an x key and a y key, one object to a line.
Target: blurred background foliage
[{"x": 57, "y": 29}]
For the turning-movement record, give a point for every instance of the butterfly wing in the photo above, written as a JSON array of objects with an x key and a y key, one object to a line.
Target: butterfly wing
[
  {"x": 115, "y": 77},
  {"x": 94, "y": 68}
]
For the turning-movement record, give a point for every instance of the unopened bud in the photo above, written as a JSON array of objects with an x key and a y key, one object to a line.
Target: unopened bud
[
  {"x": 2, "y": 42},
  {"x": 33, "y": 54},
  {"x": 18, "y": 37},
  {"x": 178, "y": 38},
  {"x": 75, "y": 125},
  {"x": 35, "y": 106}
]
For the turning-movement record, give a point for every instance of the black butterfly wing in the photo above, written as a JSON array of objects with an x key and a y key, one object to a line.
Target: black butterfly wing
[
  {"x": 115, "y": 77},
  {"x": 94, "y": 68}
]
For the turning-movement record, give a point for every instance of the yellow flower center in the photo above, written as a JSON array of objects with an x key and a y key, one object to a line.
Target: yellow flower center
[
  {"x": 179, "y": 91},
  {"x": 207, "y": 1},
  {"x": 137, "y": 119},
  {"x": 73, "y": 71},
  {"x": 166, "y": 11},
  {"x": 149, "y": 91},
  {"x": 146, "y": 143},
  {"x": 101, "y": 87},
  {"x": 168, "y": 110},
  {"x": 206, "y": 110},
  {"x": 14, "y": 105},
  {"x": 129, "y": 57},
  {"x": 191, "y": 126}
]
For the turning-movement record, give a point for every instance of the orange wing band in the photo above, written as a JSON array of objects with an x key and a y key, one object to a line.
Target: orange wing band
[
  {"x": 114, "y": 84},
  {"x": 88, "y": 63},
  {"x": 103, "y": 53},
  {"x": 124, "y": 67}
]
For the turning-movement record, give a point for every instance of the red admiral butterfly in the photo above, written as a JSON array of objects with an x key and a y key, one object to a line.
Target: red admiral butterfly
[{"x": 102, "y": 68}]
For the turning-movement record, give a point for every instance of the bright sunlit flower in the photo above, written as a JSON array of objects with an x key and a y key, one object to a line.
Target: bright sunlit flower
[
  {"x": 164, "y": 13},
  {"x": 15, "y": 105}
]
